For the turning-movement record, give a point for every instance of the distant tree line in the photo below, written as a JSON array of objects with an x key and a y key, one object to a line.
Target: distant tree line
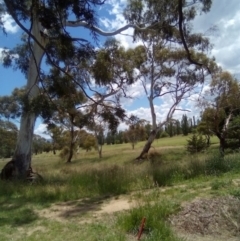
[{"x": 59, "y": 137}]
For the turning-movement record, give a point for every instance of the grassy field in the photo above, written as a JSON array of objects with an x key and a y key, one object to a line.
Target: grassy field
[{"x": 157, "y": 187}]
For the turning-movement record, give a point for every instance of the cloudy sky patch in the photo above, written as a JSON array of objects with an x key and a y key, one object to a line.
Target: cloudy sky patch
[
  {"x": 225, "y": 15},
  {"x": 9, "y": 24}
]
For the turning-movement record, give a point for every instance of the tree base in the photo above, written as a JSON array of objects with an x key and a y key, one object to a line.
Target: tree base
[{"x": 9, "y": 172}]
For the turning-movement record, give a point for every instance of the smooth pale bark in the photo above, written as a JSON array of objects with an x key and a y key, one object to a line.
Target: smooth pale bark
[
  {"x": 222, "y": 135},
  {"x": 23, "y": 151},
  {"x": 153, "y": 133}
]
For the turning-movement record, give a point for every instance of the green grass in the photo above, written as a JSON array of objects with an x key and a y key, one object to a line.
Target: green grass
[
  {"x": 156, "y": 226},
  {"x": 92, "y": 181}
]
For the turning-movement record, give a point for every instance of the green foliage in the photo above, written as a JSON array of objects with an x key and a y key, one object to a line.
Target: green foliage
[
  {"x": 136, "y": 131},
  {"x": 86, "y": 140},
  {"x": 223, "y": 118},
  {"x": 196, "y": 143},
  {"x": 8, "y": 133},
  {"x": 64, "y": 153},
  {"x": 114, "y": 61},
  {"x": 164, "y": 134},
  {"x": 40, "y": 145}
]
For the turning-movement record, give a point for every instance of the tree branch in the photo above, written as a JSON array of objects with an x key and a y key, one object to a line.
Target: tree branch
[
  {"x": 180, "y": 23},
  {"x": 100, "y": 31}
]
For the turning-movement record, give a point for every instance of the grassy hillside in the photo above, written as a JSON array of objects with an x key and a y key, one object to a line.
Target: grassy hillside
[{"x": 66, "y": 205}]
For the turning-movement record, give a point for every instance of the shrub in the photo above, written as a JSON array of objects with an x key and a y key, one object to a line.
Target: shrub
[
  {"x": 196, "y": 143},
  {"x": 164, "y": 134}
]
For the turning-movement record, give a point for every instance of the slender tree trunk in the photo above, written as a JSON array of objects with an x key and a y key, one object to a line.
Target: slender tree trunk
[
  {"x": 23, "y": 152},
  {"x": 222, "y": 146},
  {"x": 100, "y": 151},
  {"x": 148, "y": 144},
  {"x": 133, "y": 145},
  {"x": 69, "y": 160},
  {"x": 71, "y": 145},
  {"x": 153, "y": 133},
  {"x": 223, "y": 134},
  {"x": 208, "y": 140}
]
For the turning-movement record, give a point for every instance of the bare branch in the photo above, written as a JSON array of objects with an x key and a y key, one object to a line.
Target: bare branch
[{"x": 100, "y": 31}]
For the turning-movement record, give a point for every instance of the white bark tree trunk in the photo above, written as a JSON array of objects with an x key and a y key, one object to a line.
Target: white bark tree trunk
[{"x": 23, "y": 153}]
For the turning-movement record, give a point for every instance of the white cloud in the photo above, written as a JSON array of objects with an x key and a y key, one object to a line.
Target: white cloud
[
  {"x": 41, "y": 131},
  {"x": 226, "y": 49},
  {"x": 225, "y": 15},
  {"x": 117, "y": 21},
  {"x": 9, "y": 24}
]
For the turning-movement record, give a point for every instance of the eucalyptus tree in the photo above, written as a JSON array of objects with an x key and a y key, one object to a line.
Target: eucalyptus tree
[
  {"x": 65, "y": 98},
  {"x": 113, "y": 71},
  {"x": 221, "y": 106},
  {"x": 136, "y": 131},
  {"x": 168, "y": 72},
  {"x": 56, "y": 134},
  {"x": 47, "y": 24},
  {"x": 168, "y": 78}
]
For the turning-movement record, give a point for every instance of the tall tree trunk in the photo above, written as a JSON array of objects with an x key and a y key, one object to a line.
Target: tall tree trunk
[
  {"x": 153, "y": 133},
  {"x": 23, "y": 152}
]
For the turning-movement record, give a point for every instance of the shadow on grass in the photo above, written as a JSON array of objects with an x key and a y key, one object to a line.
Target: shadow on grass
[{"x": 16, "y": 215}]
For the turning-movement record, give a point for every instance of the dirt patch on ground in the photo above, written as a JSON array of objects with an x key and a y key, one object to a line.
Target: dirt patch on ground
[
  {"x": 209, "y": 219},
  {"x": 86, "y": 210},
  {"x": 216, "y": 219}
]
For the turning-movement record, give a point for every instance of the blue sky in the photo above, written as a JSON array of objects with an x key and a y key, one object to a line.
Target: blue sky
[{"x": 225, "y": 15}]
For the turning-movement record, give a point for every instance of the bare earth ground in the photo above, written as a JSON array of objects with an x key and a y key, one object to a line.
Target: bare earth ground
[
  {"x": 203, "y": 219},
  {"x": 209, "y": 220}
]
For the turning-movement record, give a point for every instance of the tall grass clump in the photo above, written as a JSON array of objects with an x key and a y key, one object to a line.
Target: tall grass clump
[
  {"x": 112, "y": 180},
  {"x": 217, "y": 164},
  {"x": 107, "y": 180},
  {"x": 194, "y": 167},
  {"x": 156, "y": 225},
  {"x": 162, "y": 172},
  {"x": 164, "y": 175}
]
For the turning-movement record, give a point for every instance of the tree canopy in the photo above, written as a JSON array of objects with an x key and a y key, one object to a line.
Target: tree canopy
[{"x": 63, "y": 69}]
